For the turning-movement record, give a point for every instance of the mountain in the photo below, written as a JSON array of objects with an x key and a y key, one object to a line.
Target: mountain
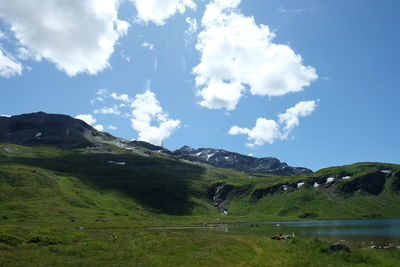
[
  {"x": 52, "y": 129},
  {"x": 225, "y": 159},
  {"x": 57, "y": 167},
  {"x": 64, "y": 131}
]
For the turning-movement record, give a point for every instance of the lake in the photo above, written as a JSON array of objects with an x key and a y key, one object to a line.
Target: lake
[
  {"x": 380, "y": 232},
  {"x": 354, "y": 232}
]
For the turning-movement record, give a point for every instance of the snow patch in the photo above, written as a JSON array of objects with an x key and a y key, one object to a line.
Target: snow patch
[
  {"x": 300, "y": 185},
  {"x": 209, "y": 156},
  {"x": 38, "y": 135},
  {"x": 346, "y": 177},
  {"x": 285, "y": 187},
  {"x": 116, "y": 163},
  {"x": 330, "y": 180},
  {"x": 316, "y": 185}
]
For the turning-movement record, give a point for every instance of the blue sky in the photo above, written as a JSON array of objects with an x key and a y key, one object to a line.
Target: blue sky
[{"x": 336, "y": 105}]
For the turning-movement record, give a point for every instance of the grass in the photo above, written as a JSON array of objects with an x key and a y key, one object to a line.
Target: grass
[
  {"x": 74, "y": 208},
  {"x": 68, "y": 246}
]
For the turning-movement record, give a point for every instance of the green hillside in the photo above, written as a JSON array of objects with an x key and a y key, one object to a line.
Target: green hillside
[
  {"x": 87, "y": 207},
  {"x": 113, "y": 184}
]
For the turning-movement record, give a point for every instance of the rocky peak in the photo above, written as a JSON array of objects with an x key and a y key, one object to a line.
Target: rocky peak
[{"x": 226, "y": 159}]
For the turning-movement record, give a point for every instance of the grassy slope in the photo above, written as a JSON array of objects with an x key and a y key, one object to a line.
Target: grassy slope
[
  {"x": 60, "y": 185},
  {"x": 42, "y": 189},
  {"x": 326, "y": 202}
]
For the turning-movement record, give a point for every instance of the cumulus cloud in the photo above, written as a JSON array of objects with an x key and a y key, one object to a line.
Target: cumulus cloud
[
  {"x": 77, "y": 36},
  {"x": 219, "y": 94},
  {"x": 9, "y": 66},
  {"x": 238, "y": 53},
  {"x": 291, "y": 117},
  {"x": 121, "y": 97},
  {"x": 268, "y": 131},
  {"x": 108, "y": 110},
  {"x": 112, "y": 127},
  {"x": 147, "y": 109},
  {"x": 88, "y": 118},
  {"x": 265, "y": 131},
  {"x": 158, "y": 11}
]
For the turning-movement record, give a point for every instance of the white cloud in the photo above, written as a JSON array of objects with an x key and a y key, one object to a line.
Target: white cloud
[
  {"x": 158, "y": 11},
  {"x": 7, "y": 116},
  {"x": 265, "y": 131},
  {"x": 77, "y": 36},
  {"x": 291, "y": 117},
  {"x": 9, "y": 66},
  {"x": 96, "y": 99},
  {"x": 192, "y": 25},
  {"x": 235, "y": 52},
  {"x": 148, "y": 45},
  {"x": 268, "y": 131},
  {"x": 191, "y": 30},
  {"x": 146, "y": 109},
  {"x": 101, "y": 91},
  {"x": 112, "y": 127},
  {"x": 99, "y": 127},
  {"x": 219, "y": 94},
  {"x": 121, "y": 97},
  {"x": 88, "y": 118},
  {"x": 108, "y": 110}
]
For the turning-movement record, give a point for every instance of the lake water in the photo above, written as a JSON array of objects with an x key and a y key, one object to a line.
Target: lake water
[
  {"x": 354, "y": 232},
  {"x": 380, "y": 232}
]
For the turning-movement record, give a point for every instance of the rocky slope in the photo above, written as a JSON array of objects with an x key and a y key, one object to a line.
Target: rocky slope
[{"x": 225, "y": 159}]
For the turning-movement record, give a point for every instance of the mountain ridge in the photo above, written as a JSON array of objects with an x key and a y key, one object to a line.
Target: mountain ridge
[
  {"x": 225, "y": 159},
  {"x": 59, "y": 130}
]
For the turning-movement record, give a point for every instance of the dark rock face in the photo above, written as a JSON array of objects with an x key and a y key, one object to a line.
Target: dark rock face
[
  {"x": 50, "y": 129},
  {"x": 372, "y": 183},
  {"x": 225, "y": 159}
]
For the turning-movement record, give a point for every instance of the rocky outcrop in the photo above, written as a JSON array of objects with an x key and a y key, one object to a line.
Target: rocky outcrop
[{"x": 225, "y": 159}]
